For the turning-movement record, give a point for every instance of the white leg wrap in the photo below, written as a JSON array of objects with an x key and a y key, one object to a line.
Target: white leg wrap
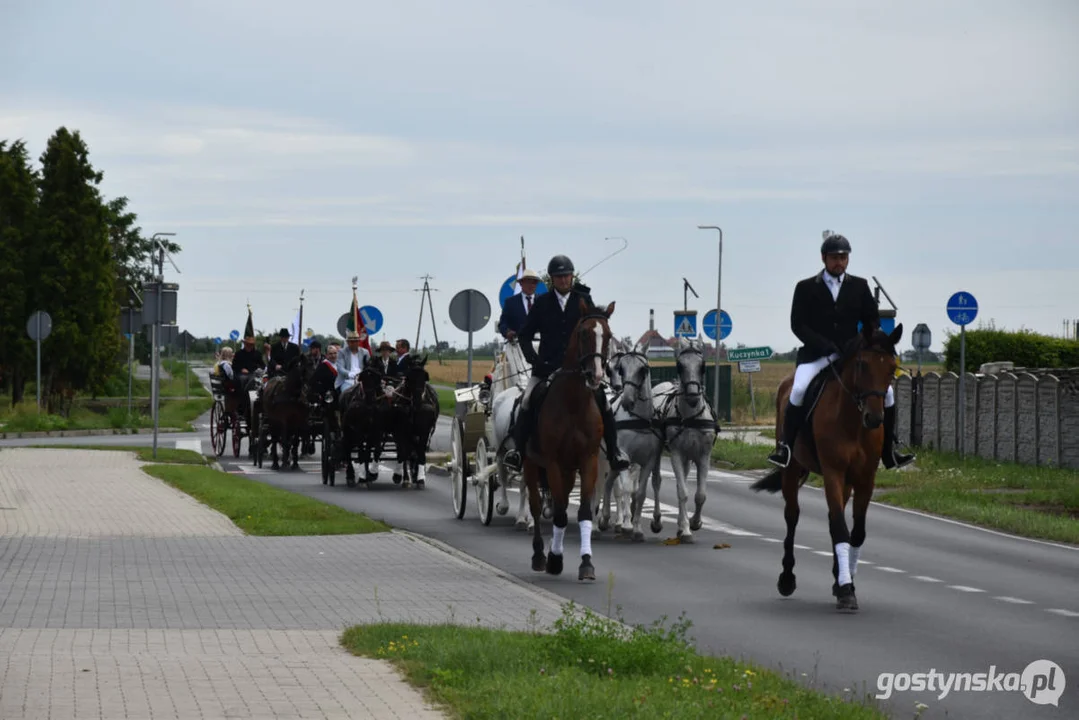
[
  {"x": 854, "y": 552},
  {"x": 842, "y": 553},
  {"x": 557, "y": 540},
  {"x": 586, "y": 537},
  {"x": 889, "y": 399},
  {"x": 421, "y": 471}
]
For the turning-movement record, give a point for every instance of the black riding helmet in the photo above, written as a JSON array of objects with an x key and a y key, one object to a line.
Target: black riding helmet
[
  {"x": 560, "y": 265},
  {"x": 834, "y": 244}
]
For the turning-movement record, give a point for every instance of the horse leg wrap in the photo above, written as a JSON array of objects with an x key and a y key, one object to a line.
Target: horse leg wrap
[
  {"x": 586, "y": 537},
  {"x": 855, "y": 550},
  {"x": 558, "y": 539},
  {"x": 842, "y": 553}
]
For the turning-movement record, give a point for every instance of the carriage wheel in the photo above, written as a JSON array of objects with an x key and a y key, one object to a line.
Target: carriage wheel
[
  {"x": 484, "y": 488},
  {"x": 234, "y": 420},
  {"x": 458, "y": 469},
  {"x": 217, "y": 430}
]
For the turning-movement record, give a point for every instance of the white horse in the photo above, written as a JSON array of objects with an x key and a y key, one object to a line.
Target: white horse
[
  {"x": 641, "y": 437},
  {"x": 508, "y": 384},
  {"x": 690, "y": 434}
]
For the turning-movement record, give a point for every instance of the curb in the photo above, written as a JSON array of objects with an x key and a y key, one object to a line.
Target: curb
[{"x": 85, "y": 433}]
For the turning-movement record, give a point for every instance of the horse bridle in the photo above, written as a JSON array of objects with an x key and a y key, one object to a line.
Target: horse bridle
[
  {"x": 860, "y": 396},
  {"x": 582, "y": 360}
]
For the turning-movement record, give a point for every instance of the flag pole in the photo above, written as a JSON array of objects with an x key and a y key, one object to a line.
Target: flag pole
[{"x": 299, "y": 330}]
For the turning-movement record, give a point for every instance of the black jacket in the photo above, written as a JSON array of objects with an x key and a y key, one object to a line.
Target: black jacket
[
  {"x": 554, "y": 325},
  {"x": 825, "y": 325},
  {"x": 323, "y": 378},
  {"x": 283, "y": 356},
  {"x": 249, "y": 360},
  {"x": 514, "y": 314},
  {"x": 400, "y": 365}
]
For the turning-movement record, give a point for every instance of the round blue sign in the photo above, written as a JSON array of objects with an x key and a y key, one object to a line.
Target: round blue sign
[
  {"x": 307, "y": 341},
  {"x": 509, "y": 287},
  {"x": 725, "y": 324},
  {"x": 962, "y": 308},
  {"x": 234, "y": 335},
  {"x": 371, "y": 317},
  {"x": 217, "y": 341}
]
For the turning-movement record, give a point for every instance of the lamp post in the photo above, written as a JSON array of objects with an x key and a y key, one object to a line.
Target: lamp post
[
  {"x": 719, "y": 311},
  {"x": 155, "y": 387}
]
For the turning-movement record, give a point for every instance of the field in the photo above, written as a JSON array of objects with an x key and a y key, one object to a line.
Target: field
[{"x": 765, "y": 383}]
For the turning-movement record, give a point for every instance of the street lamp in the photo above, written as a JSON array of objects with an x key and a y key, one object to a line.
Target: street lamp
[
  {"x": 155, "y": 387},
  {"x": 719, "y": 312}
]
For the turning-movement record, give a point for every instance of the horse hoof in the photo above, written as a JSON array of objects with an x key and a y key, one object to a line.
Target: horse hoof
[
  {"x": 539, "y": 562},
  {"x": 586, "y": 571},
  {"x": 835, "y": 589},
  {"x": 695, "y": 524},
  {"x": 371, "y": 477},
  {"x": 656, "y": 526},
  {"x": 638, "y": 537},
  {"x": 786, "y": 584},
  {"x": 420, "y": 485},
  {"x": 396, "y": 479},
  {"x": 685, "y": 538},
  {"x": 605, "y": 524},
  {"x": 521, "y": 525},
  {"x": 845, "y": 599},
  {"x": 554, "y": 564}
]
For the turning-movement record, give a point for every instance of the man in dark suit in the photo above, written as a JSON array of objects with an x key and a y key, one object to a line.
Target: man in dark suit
[
  {"x": 384, "y": 363},
  {"x": 825, "y": 314},
  {"x": 554, "y": 316},
  {"x": 282, "y": 353},
  {"x": 518, "y": 307},
  {"x": 404, "y": 359}
]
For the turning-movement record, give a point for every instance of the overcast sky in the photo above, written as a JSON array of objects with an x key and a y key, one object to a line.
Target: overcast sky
[{"x": 294, "y": 145}]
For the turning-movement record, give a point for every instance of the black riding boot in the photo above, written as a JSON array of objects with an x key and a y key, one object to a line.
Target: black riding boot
[
  {"x": 514, "y": 458},
  {"x": 615, "y": 456},
  {"x": 792, "y": 421},
  {"x": 891, "y": 457}
]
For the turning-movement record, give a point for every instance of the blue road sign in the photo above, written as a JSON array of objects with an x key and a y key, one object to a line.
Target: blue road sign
[
  {"x": 685, "y": 323},
  {"x": 708, "y": 325},
  {"x": 234, "y": 335},
  {"x": 217, "y": 341},
  {"x": 508, "y": 288},
  {"x": 962, "y": 308},
  {"x": 371, "y": 317},
  {"x": 887, "y": 325},
  {"x": 307, "y": 341}
]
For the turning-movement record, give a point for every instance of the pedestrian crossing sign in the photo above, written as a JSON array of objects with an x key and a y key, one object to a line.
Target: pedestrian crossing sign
[{"x": 685, "y": 323}]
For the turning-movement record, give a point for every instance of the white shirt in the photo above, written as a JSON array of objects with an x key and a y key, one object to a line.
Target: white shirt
[
  {"x": 834, "y": 283},
  {"x": 349, "y": 365},
  {"x": 562, "y": 299}
]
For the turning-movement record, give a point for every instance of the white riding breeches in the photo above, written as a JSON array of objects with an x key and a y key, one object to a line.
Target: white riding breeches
[
  {"x": 804, "y": 374},
  {"x": 532, "y": 383}
]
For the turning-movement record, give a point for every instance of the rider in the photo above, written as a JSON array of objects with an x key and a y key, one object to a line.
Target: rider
[
  {"x": 282, "y": 353},
  {"x": 554, "y": 316},
  {"x": 825, "y": 313}
]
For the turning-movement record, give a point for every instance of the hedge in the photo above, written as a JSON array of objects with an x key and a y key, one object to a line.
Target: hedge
[{"x": 1023, "y": 347}]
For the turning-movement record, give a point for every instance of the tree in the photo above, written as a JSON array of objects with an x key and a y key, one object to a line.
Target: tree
[
  {"x": 77, "y": 283},
  {"x": 18, "y": 219}
]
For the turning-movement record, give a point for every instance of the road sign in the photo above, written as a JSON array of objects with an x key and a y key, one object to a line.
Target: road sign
[
  {"x": 470, "y": 310},
  {"x": 685, "y": 323},
  {"x": 371, "y": 317},
  {"x": 217, "y": 341},
  {"x": 307, "y": 341},
  {"x": 39, "y": 325},
  {"x": 234, "y": 335},
  {"x": 510, "y": 287},
  {"x": 756, "y": 353},
  {"x": 708, "y": 325},
  {"x": 749, "y": 366},
  {"x": 962, "y": 308},
  {"x": 921, "y": 338}
]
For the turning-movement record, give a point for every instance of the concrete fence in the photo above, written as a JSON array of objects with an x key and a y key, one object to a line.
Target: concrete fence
[{"x": 1027, "y": 416}]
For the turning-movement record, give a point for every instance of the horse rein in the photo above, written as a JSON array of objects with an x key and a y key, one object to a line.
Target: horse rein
[{"x": 860, "y": 396}]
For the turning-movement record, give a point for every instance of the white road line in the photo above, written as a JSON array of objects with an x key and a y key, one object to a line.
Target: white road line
[
  {"x": 966, "y": 588},
  {"x": 1061, "y": 611},
  {"x": 1013, "y": 600},
  {"x": 802, "y": 547},
  {"x": 825, "y": 554},
  {"x": 195, "y": 445},
  {"x": 926, "y": 578},
  {"x": 771, "y": 540},
  {"x": 885, "y": 568}
]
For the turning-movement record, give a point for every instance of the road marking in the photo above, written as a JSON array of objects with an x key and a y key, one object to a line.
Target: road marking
[
  {"x": 1013, "y": 600},
  {"x": 825, "y": 554},
  {"x": 802, "y": 547},
  {"x": 772, "y": 540},
  {"x": 195, "y": 445},
  {"x": 966, "y": 588},
  {"x": 1061, "y": 611},
  {"x": 926, "y": 578},
  {"x": 885, "y": 568}
]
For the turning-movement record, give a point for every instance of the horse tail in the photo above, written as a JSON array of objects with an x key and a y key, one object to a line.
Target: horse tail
[{"x": 772, "y": 482}]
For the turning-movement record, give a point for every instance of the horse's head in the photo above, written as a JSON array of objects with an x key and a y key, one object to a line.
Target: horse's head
[
  {"x": 298, "y": 372},
  {"x": 689, "y": 364},
  {"x": 633, "y": 374},
  {"x": 613, "y": 355},
  {"x": 589, "y": 346},
  {"x": 416, "y": 379},
  {"x": 869, "y": 369}
]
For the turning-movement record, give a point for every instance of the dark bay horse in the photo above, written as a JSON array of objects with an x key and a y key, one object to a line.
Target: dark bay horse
[
  {"x": 284, "y": 409},
  {"x": 364, "y": 409},
  {"x": 413, "y": 417},
  {"x": 566, "y": 439},
  {"x": 841, "y": 441}
]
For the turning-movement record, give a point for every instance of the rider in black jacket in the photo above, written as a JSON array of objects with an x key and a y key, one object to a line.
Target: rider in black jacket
[{"x": 554, "y": 316}]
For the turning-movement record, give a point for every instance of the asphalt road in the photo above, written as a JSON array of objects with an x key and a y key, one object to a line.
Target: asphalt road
[{"x": 935, "y": 595}]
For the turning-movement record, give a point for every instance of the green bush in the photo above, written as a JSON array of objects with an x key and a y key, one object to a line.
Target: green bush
[{"x": 1022, "y": 347}]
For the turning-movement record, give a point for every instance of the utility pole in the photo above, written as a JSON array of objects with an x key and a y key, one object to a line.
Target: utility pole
[{"x": 426, "y": 290}]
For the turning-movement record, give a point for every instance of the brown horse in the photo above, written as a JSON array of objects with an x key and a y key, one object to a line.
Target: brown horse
[
  {"x": 841, "y": 441},
  {"x": 566, "y": 439},
  {"x": 284, "y": 410}
]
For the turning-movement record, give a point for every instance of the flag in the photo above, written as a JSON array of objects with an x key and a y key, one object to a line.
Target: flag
[
  {"x": 294, "y": 329},
  {"x": 357, "y": 324},
  {"x": 249, "y": 329},
  {"x": 520, "y": 269}
]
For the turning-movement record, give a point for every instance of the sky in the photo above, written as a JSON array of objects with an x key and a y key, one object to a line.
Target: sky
[{"x": 292, "y": 146}]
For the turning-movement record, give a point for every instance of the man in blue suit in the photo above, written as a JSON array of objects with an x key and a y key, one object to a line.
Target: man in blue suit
[{"x": 517, "y": 307}]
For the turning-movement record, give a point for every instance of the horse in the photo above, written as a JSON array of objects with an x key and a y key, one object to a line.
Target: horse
[
  {"x": 414, "y": 416},
  {"x": 640, "y": 435},
  {"x": 284, "y": 409},
  {"x": 690, "y": 428},
  {"x": 843, "y": 445},
  {"x": 511, "y": 378},
  {"x": 363, "y": 411},
  {"x": 566, "y": 439}
]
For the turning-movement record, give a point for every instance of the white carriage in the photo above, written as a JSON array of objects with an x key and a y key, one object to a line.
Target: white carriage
[{"x": 481, "y": 428}]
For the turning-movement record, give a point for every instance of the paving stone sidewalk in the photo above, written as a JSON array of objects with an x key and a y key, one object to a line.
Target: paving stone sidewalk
[{"x": 124, "y": 598}]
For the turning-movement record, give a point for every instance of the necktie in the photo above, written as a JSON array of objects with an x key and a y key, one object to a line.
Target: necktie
[{"x": 528, "y": 303}]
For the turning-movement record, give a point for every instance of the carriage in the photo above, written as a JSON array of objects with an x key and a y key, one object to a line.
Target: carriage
[
  {"x": 332, "y": 439},
  {"x": 225, "y": 416}
]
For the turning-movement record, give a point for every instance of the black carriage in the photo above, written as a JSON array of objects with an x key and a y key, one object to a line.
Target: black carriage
[{"x": 229, "y": 414}]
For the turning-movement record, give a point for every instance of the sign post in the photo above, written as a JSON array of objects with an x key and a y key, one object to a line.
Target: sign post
[
  {"x": 962, "y": 309},
  {"x": 470, "y": 311},
  {"x": 39, "y": 326},
  {"x": 921, "y": 338}
]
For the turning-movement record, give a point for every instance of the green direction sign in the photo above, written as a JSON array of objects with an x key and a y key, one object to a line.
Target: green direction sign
[{"x": 757, "y": 353}]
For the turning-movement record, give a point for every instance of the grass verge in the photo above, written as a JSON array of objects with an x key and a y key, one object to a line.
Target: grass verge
[
  {"x": 588, "y": 666},
  {"x": 1036, "y": 502},
  {"x": 447, "y": 402},
  {"x": 24, "y": 417},
  {"x": 145, "y": 454},
  {"x": 738, "y": 455},
  {"x": 261, "y": 509}
]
